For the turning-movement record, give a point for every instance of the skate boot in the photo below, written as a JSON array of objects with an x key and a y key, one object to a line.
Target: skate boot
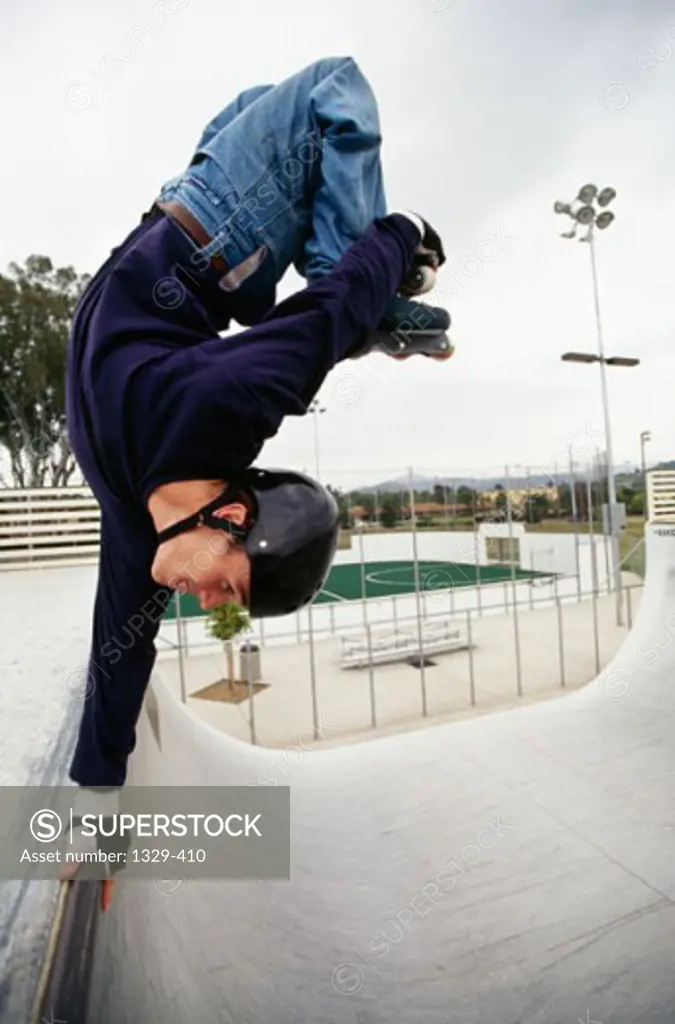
[
  {"x": 410, "y": 327},
  {"x": 414, "y": 328}
]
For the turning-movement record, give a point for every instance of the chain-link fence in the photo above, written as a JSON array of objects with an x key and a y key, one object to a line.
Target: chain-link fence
[{"x": 450, "y": 593}]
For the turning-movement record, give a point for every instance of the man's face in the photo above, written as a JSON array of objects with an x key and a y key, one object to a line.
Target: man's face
[{"x": 206, "y": 563}]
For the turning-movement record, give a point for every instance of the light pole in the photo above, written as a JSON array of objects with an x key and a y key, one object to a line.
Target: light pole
[
  {"x": 644, "y": 437},
  {"x": 584, "y": 212},
  {"x": 316, "y": 411}
]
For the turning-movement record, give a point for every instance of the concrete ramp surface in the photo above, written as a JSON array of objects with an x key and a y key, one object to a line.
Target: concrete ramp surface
[{"x": 517, "y": 867}]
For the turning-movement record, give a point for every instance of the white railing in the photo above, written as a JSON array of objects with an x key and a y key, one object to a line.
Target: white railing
[
  {"x": 48, "y": 526},
  {"x": 661, "y": 495}
]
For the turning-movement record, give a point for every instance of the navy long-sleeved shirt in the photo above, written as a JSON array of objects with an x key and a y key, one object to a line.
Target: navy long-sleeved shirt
[{"x": 155, "y": 395}]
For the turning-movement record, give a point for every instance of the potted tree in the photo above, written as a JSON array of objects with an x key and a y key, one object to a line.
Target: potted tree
[{"x": 224, "y": 623}]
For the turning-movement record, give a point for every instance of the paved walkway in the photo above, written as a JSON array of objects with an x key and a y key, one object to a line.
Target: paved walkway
[{"x": 284, "y": 713}]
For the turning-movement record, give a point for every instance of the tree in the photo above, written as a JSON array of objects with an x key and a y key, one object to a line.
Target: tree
[
  {"x": 626, "y": 493},
  {"x": 342, "y": 505},
  {"x": 565, "y": 499},
  {"x": 36, "y": 305},
  {"x": 389, "y": 513},
  {"x": 366, "y": 500},
  {"x": 393, "y": 498},
  {"x": 465, "y": 496},
  {"x": 538, "y": 508},
  {"x": 224, "y": 622},
  {"x": 636, "y": 506}
]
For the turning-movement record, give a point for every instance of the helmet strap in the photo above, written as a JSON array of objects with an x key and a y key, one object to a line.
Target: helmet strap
[{"x": 204, "y": 516}]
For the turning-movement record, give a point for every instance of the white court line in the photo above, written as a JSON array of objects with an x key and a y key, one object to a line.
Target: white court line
[
  {"x": 426, "y": 570},
  {"x": 337, "y": 597}
]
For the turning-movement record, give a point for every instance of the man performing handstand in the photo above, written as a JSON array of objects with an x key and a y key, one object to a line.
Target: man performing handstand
[{"x": 166, "y": 417}]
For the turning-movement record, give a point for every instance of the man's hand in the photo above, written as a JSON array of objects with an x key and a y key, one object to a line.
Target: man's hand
[
  {"x": 428, "y": 257},
  {"x": 97, "y": 803},
  {"x": 431, "y": 244}
]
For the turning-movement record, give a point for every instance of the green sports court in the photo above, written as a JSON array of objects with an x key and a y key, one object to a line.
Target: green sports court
[{"x": 390, "y": 579}]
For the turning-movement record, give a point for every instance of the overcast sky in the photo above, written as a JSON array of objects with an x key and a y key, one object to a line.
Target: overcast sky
[{"x": 489, "y": 113}]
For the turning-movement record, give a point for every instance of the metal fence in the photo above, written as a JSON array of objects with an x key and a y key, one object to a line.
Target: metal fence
[
  {"x": 535, "y": 623},
  {"x": 61, "y": 528},
  {"x": 545, "y": 631}
]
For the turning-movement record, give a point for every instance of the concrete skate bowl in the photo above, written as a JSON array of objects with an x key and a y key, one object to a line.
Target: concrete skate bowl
[{"x": 516, "y": 867}]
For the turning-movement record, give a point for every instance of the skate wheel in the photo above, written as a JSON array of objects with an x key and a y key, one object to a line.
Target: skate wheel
[{"x": 442, "y": 357}]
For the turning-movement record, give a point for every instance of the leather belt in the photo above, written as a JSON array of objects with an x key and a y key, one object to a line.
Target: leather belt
[{"x": 193, "y": 228}]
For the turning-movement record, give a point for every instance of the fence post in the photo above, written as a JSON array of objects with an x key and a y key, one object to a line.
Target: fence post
[
  {"x": 420, "y": 632},
  {"x": 312, "y": 676},
  {"x": 516, "y": 631},
  {"x": 575, "y": 520},
  {"x": 371, "y": 678},
  {"x": 249, "y": 687},
  {"x": 561, "y": 643},
  {"x": 596, "y": 634},
  {"x": 479, "y": 589},
  {"x": 595, "y": 583},
  {"x": 472, "y": 677},
  {"x": 516, "y": 640}
]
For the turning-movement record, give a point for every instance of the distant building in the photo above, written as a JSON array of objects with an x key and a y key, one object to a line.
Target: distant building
[
  {"x": 436, "y": 510},
  {"x": 424, "y": 510},
  {"x": 358, "y": 514},
  {"x": 520, "y": 495}
]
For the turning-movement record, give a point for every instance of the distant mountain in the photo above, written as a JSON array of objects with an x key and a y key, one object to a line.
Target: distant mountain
[
  {"x": 488, "y": 483},
  {"x": 427, "y": 483}
]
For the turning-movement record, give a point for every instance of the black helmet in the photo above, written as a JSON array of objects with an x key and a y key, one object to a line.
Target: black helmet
[{"x": 290, "y": 539}]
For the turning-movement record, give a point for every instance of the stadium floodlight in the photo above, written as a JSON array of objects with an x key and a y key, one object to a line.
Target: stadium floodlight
[
  {"x": 606, "y": 196},
  {"x": 622, "y": 361},
  {"x": 593, "y": 357},
  {"x": 585, "y": 215},
  {"x": 604, "y": 219},
  {"x": 587, "y": 194},
  {"x": 580, "y": 357},
  {"x": 568, "y": 234},
  {"x": 559, "y": 207}
]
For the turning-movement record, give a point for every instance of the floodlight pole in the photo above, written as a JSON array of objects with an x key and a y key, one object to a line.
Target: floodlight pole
[
  {"x": 612, "y": 525},
  {"x": 644, "y": 437},
  {"x": 316, "y": 410},
  {"x": 587, "y": 215}
]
